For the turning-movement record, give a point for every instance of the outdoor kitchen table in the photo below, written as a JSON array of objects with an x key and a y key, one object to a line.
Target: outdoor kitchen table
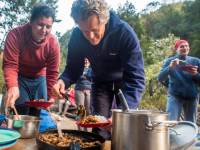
[{"x": 30, "y": 144}]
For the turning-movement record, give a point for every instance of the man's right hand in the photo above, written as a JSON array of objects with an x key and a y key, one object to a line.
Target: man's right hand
[
  {"x": 59, "y": 89},
  {"x": 174, "y": 63},
  {"x": 11, "y": 96}
]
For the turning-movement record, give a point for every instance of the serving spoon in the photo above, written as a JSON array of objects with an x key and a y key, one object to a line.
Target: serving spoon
[
  {"x": 57, "y": 119},
  {"x": 123, "y": 101}
]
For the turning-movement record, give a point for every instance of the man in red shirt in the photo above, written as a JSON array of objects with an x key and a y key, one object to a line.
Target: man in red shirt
[{"x": 31, "y": 60}]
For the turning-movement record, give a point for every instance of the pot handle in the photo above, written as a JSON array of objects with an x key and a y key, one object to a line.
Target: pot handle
[
  {"x": 151, "y": 125},
  {"x": 171, "y": 129},
  {"x": 169, "y": 123}
]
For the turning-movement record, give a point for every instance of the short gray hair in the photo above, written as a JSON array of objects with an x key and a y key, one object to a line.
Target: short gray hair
[{"x": 82, "y": 9}]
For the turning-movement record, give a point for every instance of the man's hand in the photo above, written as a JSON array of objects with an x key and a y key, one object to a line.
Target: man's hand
[
  {"x": 192, "y": 70},
  {"x": 11, "y": 96},
  {"x": 51, "y": 100},
  {"x": 174, "y": 63},
  {"x": 59, "y": 89}
]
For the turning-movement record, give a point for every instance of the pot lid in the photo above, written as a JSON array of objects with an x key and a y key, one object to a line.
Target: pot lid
[{"x": 183, "y": 135}]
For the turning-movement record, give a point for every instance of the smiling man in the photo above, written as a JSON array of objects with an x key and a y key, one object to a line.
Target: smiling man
[
  {"x": 182, "y": 72},
  {"x": 114, "y": 52},
  {"x": 31, "y": 60}
]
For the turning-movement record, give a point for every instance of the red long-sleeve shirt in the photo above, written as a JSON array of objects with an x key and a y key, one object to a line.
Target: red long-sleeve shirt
[{"x": 23, "y": 56}]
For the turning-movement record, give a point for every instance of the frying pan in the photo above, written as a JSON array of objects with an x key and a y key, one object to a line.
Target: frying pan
[{"x": 87, "y": 136}]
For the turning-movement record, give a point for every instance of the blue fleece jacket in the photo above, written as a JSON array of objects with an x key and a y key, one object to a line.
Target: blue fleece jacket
[
  {"x": 181, "y": 83},
  {"x": 117, "y": 57}
]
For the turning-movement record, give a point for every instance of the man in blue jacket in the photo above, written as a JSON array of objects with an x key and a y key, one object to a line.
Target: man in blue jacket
[
  {"x": 182, "y": 73},
  {"x": 114, "y": 52}
]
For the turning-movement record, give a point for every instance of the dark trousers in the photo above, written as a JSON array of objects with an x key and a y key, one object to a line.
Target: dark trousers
[{"x": 103, "y": 96}]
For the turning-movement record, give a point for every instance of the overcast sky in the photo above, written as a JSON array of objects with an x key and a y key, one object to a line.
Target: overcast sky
[{"x": 64, "y": 7}]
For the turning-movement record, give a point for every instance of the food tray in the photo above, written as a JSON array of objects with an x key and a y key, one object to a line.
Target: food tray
[
  {"x": 42, "y": 104},
  {"x": 93, "y": 125}
]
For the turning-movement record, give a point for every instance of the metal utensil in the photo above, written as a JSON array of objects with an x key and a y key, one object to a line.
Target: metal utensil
[
  {"x": 57, "y": 119},
  {"x": 67, "y": 103},
  {"x": 58, "y": 123},
  {"x": 123, "y": 100},
  {"x": 17, "y": 122},
  {"x": 75, "y": 146},
  {"x": 16, "y": 113},
  {"x": 81, "y": 112},
  {"x": 66, "y": 97}
]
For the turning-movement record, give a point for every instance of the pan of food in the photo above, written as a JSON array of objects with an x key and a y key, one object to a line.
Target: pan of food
[{"x": 82, "y": 140}]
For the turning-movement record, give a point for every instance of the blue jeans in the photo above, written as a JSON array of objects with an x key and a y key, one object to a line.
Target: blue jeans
[{"x": 175, "y": 106}]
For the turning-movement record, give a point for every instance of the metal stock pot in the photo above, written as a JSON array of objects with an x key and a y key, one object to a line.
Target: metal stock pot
[{"x": 140, "y": 130}]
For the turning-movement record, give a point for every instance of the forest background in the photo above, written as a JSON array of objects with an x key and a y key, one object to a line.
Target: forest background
[{"x": 157, "y": 27}]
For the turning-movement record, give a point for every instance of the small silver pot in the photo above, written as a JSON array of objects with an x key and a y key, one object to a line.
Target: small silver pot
[{"x": 27, "y": 125}]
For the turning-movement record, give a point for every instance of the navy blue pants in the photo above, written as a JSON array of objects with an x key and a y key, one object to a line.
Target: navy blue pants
[
  {"x": 104, "y": 95},
  {"x": 30, "y": 89}
]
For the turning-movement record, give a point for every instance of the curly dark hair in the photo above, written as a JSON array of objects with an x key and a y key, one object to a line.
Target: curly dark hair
[{"x": 42, "y": 10}]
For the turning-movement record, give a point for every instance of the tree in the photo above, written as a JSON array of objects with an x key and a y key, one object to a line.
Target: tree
[
  {"x": 128, "y": 13},
  {"x": 192, "y": 26},
  {"x": 155, "y": 94},
  {"x": 16, "y": 12},
  {"x": 64, "y": 40},
  {"x": 167, "y": 19}
]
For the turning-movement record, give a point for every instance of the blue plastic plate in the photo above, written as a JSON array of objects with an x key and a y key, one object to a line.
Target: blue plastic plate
[
  {"x": 4, "y": 146},
  {"x": 8, "y": 136}
]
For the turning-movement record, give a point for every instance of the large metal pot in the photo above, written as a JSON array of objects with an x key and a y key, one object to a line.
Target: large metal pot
[
  {"x": 27, "y": 125},
  {"x": 139, "y": 130}
]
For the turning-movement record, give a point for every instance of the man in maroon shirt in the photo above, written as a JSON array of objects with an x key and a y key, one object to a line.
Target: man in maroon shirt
[{"x": 31, "y": 60}]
